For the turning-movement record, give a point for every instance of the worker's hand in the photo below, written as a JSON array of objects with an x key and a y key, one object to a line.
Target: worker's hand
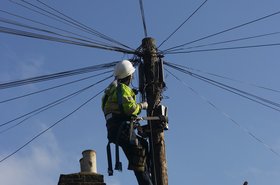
[
  {"x": 144, "y": 105},
  {"x": 135, "y": 91}
]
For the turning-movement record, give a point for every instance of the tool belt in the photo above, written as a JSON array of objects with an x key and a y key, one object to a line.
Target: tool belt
[{"x": 121, "y": 133}]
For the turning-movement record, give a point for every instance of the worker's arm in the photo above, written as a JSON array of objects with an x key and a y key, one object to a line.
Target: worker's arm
[{"x": 130, "y": 107}]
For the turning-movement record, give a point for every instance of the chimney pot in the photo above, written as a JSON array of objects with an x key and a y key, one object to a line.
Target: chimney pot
[{"x": 88, "y": 162}]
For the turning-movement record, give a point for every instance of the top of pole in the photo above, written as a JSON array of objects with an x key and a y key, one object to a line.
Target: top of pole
[{"x": 149, "y": 44}]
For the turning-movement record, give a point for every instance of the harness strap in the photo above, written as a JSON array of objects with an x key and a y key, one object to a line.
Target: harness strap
[
  {"x": 118, "y": 165},
  {"x": 104, "y": 101},
  {"x": 109, "y": 158},
  {"x": 120, "y": 97}
]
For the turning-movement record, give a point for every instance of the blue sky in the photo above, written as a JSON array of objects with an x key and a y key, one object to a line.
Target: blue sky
[{"x": 204, "y": 144}]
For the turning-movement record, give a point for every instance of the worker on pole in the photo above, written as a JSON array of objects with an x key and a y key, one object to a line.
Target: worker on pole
[{"x": 120, "y": 107}]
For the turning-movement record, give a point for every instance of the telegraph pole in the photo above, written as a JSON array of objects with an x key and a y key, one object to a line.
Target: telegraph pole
[{"x": 152, "y": 75}]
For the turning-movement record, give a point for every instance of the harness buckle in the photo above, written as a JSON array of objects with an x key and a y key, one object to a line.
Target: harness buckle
[{"x": 109, "y": 116}]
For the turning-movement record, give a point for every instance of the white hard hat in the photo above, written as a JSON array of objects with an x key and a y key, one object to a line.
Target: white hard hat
[{"x": 123, "y": 69}]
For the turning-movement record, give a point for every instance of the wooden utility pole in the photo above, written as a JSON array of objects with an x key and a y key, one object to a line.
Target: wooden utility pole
[{"x": 153, "y": 87}]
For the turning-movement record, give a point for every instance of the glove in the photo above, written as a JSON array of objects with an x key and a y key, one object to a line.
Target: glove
[
  {"x": 135, "y": 91},
  {"x": 144, "y": 105}
]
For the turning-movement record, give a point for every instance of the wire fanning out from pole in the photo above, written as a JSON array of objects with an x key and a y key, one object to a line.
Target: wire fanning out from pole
[
  {"x": 143, "y": 17},
  {"x": 88, "y": 39},
  {"x": 181, "y": 24},
  {"x": 249, "y": 96},
  {"x": 45, "y": 31},
  {"x": 224, "y": 31},
  {"x": 18, "y": 24},
  {"x": 231, "y": 79},
  {"x": 50, "y": 127},
  {"x": 50, "y": 12},
  {"x": 62, "y": 40},
  {"x": 54, "y": 103},
  {"x": 54, "y": 87},
  {"x": 57, "y": 75},
  {"x": 222, "y": 42},
  {"x": 225, "y": 48},
  {"x": 33, "y": 113},
  {"x": 246, "y": 130},
  {"x": 74, "y": 22}
]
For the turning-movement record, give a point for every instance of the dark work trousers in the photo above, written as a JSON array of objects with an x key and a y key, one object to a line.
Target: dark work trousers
[{"x": 113, "y": 127}]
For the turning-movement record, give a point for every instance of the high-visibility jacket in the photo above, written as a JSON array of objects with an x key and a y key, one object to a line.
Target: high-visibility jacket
[{"x": 120, "y": 99}]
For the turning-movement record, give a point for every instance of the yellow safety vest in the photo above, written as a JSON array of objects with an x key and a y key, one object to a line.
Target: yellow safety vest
[{"x": 120, "y": 99}]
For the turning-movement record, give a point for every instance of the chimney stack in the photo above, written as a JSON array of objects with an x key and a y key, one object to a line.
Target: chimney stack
[{"x": 88, "y": 174}]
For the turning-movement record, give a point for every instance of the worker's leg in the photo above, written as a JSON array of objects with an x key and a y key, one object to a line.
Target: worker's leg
[
  {"x": 143, "y": 178},
  {"x": 137, "y": 163},
  {"x": 136, "y": 156}
]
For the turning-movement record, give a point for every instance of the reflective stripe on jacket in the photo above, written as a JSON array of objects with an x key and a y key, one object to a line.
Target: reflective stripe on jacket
[{"x": 124, "y": 104}]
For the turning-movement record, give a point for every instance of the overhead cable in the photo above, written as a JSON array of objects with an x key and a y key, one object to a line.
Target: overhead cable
[
  {"x": 257, "y": 99},
  {"x": 225, "y": 42},
  {"x": 230, "y": 79},
  {"x": 246, "y": 130},
  {"x": 224, "y": 31},
  {"x": 101, "y": 35},
  {"x": 64, "y": 19},
  {"x": 49, "y": 16},
  {"x": 15, "y": 23},
  {"x": 53, "y": 27},
  {"x": 44, "y": 108},
  {"x": 57, "y": 39},
  {"x": 50, "y": 127},
  {"x": 223, "y": 49},
  {"x": 57, "y": 75},
  {"x": 143, "y": 17},
  {"x": 182, "y": 24},
  {"x": 29, "y": 116},
  {"x": 56, "y": 102},
  {"x": 53, "y": 87}
]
